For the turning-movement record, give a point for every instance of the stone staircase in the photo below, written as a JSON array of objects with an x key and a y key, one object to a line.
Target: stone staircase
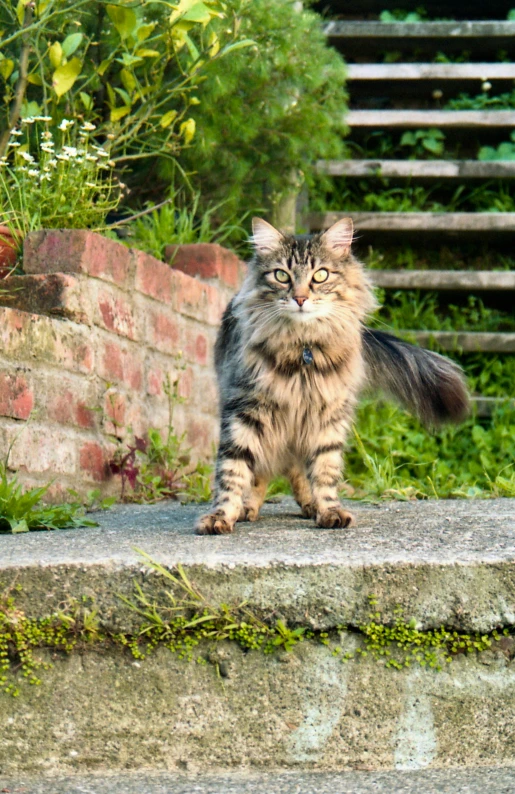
[{"x": 400, "y": 96}]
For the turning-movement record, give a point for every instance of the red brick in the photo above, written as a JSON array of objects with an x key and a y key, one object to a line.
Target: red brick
[
  {"x": 38, "y": 450},
  {"x": 153, "y": 278},
  {"x": 68, "y": 409},
  {"x": 186, "y": 379},
  {"x": 206, "y": 261},
  {"x": 204, "y": 302},
  {"x": 163, "y": 331},
  {"x": 121, "y": 364},
  {"x": 16, "y": 397},
  {"x": 155, "y": 381},
  {"x": 77, "y": 251},
  {"x": 196, "y": 346},
  {"x": 114, "y": 414},
  {"x": 116, "y": 313},
  {"x": 92, "y": 461},
  {"x": 54, "y": 294}
]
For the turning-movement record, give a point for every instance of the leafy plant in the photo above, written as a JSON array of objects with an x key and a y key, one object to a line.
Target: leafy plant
[
  {"x": 420, "y": 141},
  {"x": 55, "y": 183},
  {"x": 180, "y": 222},
  {"x": 22, "y": 511},
  {"x": 401, "y": 15},
  {"x": 157, "y": 468},
  {"x": 504, "y": 151},
  {"x": 273, "y": 110},
  {"x": 465, "y": 101},
  {"x": 131, "y": 69}
]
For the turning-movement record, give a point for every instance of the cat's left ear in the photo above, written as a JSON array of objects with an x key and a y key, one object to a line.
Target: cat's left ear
[
  {"x": 338, "y": 238},
  {"x": 265, "y": 238}
]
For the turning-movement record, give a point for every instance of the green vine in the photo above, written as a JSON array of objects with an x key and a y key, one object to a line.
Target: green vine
[{"x": 190, "y": 627}]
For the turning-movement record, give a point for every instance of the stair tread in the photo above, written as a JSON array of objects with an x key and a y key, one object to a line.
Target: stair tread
[
  {"x": 466, "y": 341},
  {"x": 419, "y": 30},
  {"x": 431, "y": 71},
  {"x": 444, "y": 279},
  {"x": 424, "y": 168},
  {"x": 419, "y": 221},
  {"x": 430, "y": 118}
]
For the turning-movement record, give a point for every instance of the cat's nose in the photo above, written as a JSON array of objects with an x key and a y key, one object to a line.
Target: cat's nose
[{"x": 299, "y": 299}]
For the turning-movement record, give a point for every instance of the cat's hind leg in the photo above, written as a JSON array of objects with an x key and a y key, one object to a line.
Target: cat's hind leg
[{"x": 253, "y": 501}]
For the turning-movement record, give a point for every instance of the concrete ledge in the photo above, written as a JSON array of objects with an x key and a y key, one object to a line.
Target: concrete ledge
[{"x": 445, "y": 562}]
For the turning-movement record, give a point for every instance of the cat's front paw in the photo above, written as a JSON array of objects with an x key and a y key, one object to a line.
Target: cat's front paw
[
  {"x": 308, "y": 510},
  {"x": 213, "y": 524},
  {"x": 334, "y": 518},
  {"x": 249, "y": 513}
]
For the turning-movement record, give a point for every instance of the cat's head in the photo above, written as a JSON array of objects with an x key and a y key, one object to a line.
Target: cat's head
[{"x": 309, "y": 278}]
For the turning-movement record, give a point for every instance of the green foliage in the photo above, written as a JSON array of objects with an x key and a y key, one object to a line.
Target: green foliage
[
  {"x": 180, "y": 222},
  {"x": 504, "y": 151},
  {"x": 482, "y": 101},
  {"x": 274, "y": 109},
  {"x": 132, "y": 70},
  {"x": 430, "y": 140},
  {"x": 401, "y": 15},
  {"x": 21, "y": 510},
  {"x": 393, "y": 456},
  {"x": 55, "y": 183},
  {"x": 158, "y": 468}
]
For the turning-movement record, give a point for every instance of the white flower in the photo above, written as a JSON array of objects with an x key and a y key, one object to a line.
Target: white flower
[
  {"x": 47, "y": 147},
  {"x": 101, "y": 152},
  {"x": 111, "y": 163},
  {"x": 46, "y": 135},
  {"x": 90, "y": 184},
  {"x": 52, "y": 163},
  {"x": 65, "y": 124},
  {"x": 33, "y": 172},
  {"x": 16, "y": 132},
  {"x": 91, "y": 158},
  {"x": 71, "y": 150},
  {"x": 63, "y": 157},
  {"x": 43, "y": 118},
  {"x": 14, "y": 143},
  {"x": 88, "y": 126},
  {"x": 27, "y": 157}
]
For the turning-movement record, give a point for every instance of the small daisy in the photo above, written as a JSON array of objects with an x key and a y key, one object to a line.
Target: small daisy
[
  {"x": 65, "y": 124},
  {"x": 88, "y": 126}
]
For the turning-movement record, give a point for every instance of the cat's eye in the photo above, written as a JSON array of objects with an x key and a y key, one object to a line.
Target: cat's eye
[
  {"x": 321, "y": 275},
  {"x": 282, "y": 276}
]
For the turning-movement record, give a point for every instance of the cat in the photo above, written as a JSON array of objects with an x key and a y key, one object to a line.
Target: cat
[{"x": 292, "y": 356}]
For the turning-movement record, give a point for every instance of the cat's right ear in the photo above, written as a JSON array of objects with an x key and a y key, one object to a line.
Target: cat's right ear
[{"x": 265, "y": 238}]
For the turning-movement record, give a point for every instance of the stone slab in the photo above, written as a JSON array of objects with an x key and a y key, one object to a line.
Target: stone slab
[
  {"x": 433, "y": 169},
  {"x": 450, "y": 562},
  {"x": 481, "y": 280},
  {"x": 466, "y": 341},
  {"x": 445, "y": 119},
  {"x": 384, "y": 30},
  {"x": 419, "y": 221},
  {"x": 437, "y": 781},
  {"x": 431, "y": 71}
]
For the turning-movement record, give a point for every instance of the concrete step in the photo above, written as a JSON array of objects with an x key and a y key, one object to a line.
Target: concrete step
[
  {"x": 441, "y": 280},
  {"x": 418, "y": 221},
  {"x": 485, "y": 406},
  {"x": 430, "y": 71},
  {"x": 437, "y": 169},
  {"x": 99, "y": 709},
  {"x": 443, "y": 119},
  {"x": 444, "y": 781},
  {"x": 365, "y": 29},
  {"x": 465, "y": 341}
]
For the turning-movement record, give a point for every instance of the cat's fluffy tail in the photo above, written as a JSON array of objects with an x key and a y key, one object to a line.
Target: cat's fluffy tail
[{"x": 428, "y": 385}]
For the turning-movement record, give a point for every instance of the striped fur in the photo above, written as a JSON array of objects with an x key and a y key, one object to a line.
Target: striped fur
[{"x": 280, "y": 415}]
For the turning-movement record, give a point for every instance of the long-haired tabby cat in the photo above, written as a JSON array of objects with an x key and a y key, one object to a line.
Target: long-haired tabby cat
[{"x": 292, "y": 356}]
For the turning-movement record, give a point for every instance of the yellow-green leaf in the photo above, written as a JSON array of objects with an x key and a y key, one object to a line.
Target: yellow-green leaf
[
  {"x": 103, "y": 66},
  {"x": 143, "y": 53},
  {"x": 124, "y": 20},
  {"x": 167, "y": 118},
  {"x": 119, "y": 113},
  {"x": 111, "y": 95},
  {"x": 187, "y": 130},
  {"x": 238, "y": 45},
  {"x": 55, "y": 53},
  {"x": 144, "y": 31},
  {"x": 64, "y": 77},
  {"x": 87, "y": 101},
  {"x": 128, "y": 80},
  {"x": 35, "y": 79},
  {"x": 71, "y": 43},
  {"x": 214, "y": 44},
  {"x": 194, "y": 100},
  {"x": 6, "y": 68}
]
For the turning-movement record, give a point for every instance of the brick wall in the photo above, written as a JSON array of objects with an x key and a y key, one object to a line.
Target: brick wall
[{"x": 88, "y": 338}]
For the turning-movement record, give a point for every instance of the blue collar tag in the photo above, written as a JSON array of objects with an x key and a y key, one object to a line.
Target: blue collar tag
[{"x": 307, "y": 355}]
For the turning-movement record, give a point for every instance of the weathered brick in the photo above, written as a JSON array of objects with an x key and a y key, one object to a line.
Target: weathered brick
[
  {"x": 36, "y": 450},
  {"x": 16, "y": 396},
  {"x": 207, "y": 261},
  {"x": 31, "y": 337},
  {"x": 69, "y": 401},
  {"x": 196, "y": 345},
  {"x": 153, "y": 278},
  {"x": 117, "y": 362},
  {"x": 163, "y": 330},
  {"x": 78, "y": 251},
  {"x": 204, "y": 302},
  {"x": 115, "y": 312},
  {"x": 114, "y": 423},
  {"x": 55, "y": 294},
  {"x": 93, "y": 461}
]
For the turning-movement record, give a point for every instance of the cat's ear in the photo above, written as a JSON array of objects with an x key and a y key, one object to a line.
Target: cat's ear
[
  {"x": 338, "y": 238},
  {"x": 265, "y": 238}
]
